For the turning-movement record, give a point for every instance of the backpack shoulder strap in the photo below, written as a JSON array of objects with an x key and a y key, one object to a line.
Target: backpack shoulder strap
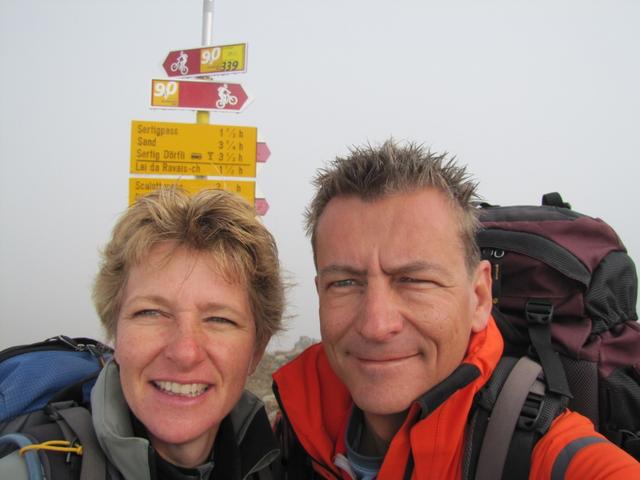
[
  {"x": 504, "y": 418},
  {"x": 80, "y": 422},
  {"x": 61, "y": 443},
  {"x": 512, "y": 411}
]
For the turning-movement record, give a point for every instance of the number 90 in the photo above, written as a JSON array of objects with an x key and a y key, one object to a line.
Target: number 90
[
  {"x": 210, "y": 55},
  {"x": 164, "y": 89}
]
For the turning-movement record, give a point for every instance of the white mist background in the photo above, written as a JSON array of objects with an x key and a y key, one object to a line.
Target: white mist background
[{"x": 533, "y": 96}]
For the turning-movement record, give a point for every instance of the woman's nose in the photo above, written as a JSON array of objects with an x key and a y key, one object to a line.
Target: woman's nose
[{"x": 186, "y": 346}]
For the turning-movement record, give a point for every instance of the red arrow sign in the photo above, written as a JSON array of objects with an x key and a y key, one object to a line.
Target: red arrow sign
[
  {"x": 182, "y": 63},
  {"x": 197, "y": 95},
  {"x": 262, "y": 152},
  {"x": 262, "y": 206},
  {"x": 206, "y": 60}
]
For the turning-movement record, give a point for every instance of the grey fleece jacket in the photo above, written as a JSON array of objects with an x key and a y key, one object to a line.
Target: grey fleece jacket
[{"x": 255, "y": 447}]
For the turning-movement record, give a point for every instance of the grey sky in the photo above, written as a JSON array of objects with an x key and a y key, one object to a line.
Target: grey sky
[{"x": 533, "y": 96}]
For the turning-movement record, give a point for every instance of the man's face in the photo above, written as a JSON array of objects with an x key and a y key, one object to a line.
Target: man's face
[{"x": 397, "y": 303}]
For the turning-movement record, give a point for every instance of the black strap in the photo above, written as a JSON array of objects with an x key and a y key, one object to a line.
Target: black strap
[
  {"x": 539, "y": 313},
  {"x": 532, "y": 424},
  {"x": 410, "y": 466}
]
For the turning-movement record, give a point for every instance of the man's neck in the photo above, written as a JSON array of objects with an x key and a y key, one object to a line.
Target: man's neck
[{"x": 378, "y": 432}]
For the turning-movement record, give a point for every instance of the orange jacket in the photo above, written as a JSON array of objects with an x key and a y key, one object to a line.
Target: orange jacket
[{"x": 318, "y": 406}]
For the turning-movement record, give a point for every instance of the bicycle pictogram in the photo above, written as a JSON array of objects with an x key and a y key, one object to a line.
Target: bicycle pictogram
[
  {"x": 181, "y": 64},
  {"x": 225, "y": 97}
]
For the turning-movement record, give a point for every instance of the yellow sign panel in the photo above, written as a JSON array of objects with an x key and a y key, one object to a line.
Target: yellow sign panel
[
  {"x": 166, "y": 148},
  {"x": 225, "y": 58},
  {"x": 166, "y": 93},
  {"x": 139, "y": 187}
]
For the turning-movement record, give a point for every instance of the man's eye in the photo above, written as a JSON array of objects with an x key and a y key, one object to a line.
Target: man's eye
[
  {"x": 220, "y": 320},
  {"x": 417, "y": 281},
  {"x": 411, "y": 280}
]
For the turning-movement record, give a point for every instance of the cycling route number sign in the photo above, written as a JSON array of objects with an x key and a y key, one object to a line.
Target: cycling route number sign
[
  {"x": 206, "y": 60},
  {"x": 198, "y": 95}
]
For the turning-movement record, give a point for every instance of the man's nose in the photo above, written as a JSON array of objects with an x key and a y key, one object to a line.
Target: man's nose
[
  {"x": 380, "y": 318},
  {"x": 186, "y": 345}
]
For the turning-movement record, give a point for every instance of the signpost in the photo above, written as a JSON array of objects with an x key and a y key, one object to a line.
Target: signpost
[
  {"x": 198, "y": 149},
  {"x": 198, "y": 95},
  {"x": 139, "y": 187},
  {"x": 193, "y": 149},
  {"x": 206, "y": 60}
]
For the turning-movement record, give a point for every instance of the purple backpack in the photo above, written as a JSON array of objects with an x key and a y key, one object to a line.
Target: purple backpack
[{"x": 564, "y": 293}]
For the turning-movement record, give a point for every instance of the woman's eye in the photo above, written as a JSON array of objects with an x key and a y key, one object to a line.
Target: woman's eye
[{"x": 147, "y": 313}]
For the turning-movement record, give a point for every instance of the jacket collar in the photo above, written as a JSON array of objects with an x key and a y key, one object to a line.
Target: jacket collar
[
  {"x": 246, "y": 442},
  {"x": 317, "y": 404}
]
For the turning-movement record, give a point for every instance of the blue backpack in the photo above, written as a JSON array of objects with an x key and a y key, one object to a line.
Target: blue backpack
[{"x": 45, "y": 392}]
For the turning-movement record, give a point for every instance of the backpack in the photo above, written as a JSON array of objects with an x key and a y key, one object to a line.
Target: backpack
[
  {"x": 44, "y": 407},
  {"x": 564, "y": 294}
]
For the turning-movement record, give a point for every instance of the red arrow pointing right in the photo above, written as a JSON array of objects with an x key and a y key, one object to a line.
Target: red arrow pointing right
[
  {"x": 262, "y": 206},
  {"x": 197, "y": 95},
  {"x": 262, "y": 152}
]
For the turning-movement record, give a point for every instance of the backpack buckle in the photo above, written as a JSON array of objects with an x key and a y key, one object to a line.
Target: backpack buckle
[
  {"x": 52, "y": 409},
  {"x": 539, "y": 311},
  {"x": 531, "y": 411}
]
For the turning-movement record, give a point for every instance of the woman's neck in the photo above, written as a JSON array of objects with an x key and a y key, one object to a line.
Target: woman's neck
[{"x": 187, "y": 455}]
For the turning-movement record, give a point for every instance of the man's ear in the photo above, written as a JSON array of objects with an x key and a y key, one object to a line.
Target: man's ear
[
  {"x": 316, "y": 280},
  {"x": 482, "y": 300}
]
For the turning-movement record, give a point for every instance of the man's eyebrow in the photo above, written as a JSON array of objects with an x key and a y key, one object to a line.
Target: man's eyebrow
[
  {"x": 405, "y": 269},
  {"x": 414, "y": 267},
  {"x": 342, "y": 269}
]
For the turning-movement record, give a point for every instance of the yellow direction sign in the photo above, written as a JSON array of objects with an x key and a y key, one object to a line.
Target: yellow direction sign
[
  {"x": 139, "y": 187},
  {"x": 166, "y": 148}
]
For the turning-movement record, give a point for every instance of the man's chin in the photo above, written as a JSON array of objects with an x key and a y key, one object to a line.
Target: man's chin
[{"x": 382, "y": 401}]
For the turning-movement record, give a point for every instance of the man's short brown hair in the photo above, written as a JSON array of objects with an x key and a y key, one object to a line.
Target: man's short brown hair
[{"x": 371, "y": 173}]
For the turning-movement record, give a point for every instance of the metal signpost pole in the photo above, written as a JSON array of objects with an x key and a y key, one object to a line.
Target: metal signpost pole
[{"x": 202, "y": 116}]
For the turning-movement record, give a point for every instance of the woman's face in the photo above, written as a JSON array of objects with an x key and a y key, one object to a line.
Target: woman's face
[{"x": 185, "y": 343}]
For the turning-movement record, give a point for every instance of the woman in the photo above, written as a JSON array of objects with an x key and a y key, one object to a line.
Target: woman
[{"x": 190, "y": 292}]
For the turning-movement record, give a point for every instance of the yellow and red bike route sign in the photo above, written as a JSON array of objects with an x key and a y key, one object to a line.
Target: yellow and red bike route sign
[
  {"x": 206, "y": 60},
  {"x": 198, "y": 95}
]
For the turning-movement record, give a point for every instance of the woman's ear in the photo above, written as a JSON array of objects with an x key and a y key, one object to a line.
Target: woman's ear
[{"x": 257, "y": 356}]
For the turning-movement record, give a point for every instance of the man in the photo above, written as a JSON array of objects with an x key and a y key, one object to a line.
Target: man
[{"x": 407, "y": 333}]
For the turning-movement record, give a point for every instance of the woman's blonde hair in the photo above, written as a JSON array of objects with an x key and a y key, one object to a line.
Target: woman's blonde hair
[{"x": 212, "y": 221}]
